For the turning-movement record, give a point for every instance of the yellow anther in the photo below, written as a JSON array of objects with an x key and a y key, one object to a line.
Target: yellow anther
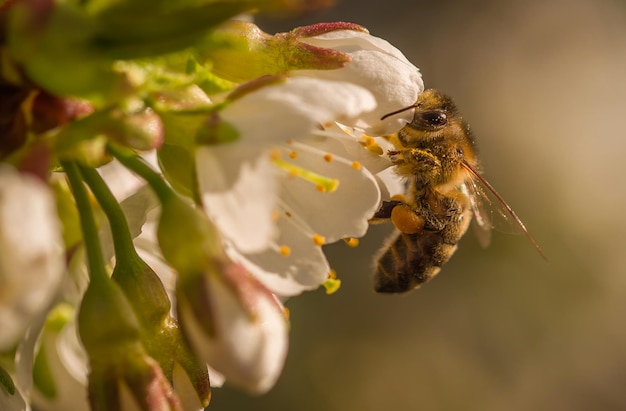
[
  {"x": 372, "y": 145},
  {"x": 356, "y": 165},
  {"x": 318, "y": 239},
  {"x": 328, "y": 158},
  {"x": 275, "y": 155},
  {"x": 332, "y": 284},
  {"x": 286, "y": 313},
  {"x": 284, "y": 250},
  {"x": 293, "y": 155},
  {"x": 375, "y": 149},
  {"x": 275, "y": 215},
  {"x": 369, "y": 140},
  {"x": 351, "y": 241}
]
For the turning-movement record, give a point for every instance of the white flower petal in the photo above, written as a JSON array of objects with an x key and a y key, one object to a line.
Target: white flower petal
[
  {"x": 217, "y": 379},
  {"x": 136, "y": 207},
  {"x": 31, "y": 252},
  {"x": 249, "y": 348},
  {"x": 303, "y": 267},
  {"x": 121, "y": 181},
  {"x": 391, "y": 183},
  {"x": 336, "y": 214},
  {"x": 377, "y": 66},
  {"x": 67, "y": 363},
  {"x": 290, "y": 109},
  {"x": 335, "y": 140},
  {"x": 238, "y": 193},
  {"x": 13, "y": 402}
]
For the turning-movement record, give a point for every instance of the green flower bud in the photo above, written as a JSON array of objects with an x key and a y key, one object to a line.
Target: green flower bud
[
  {"x": 105, "y": 318},
  {"x": 187, "y": 238},
  {"x": 240, "y": 51}
]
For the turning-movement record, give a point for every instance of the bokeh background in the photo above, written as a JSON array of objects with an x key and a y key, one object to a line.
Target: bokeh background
[{"x": 543, "y": 84}]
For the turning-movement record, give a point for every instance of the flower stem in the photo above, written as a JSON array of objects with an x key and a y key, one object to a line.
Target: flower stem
[
  {"x": 140, "y": 283},
  {"x": 95, "y": 259},
  {"x": 122, "y": 240},
  {"x": 139, "y": 166}
]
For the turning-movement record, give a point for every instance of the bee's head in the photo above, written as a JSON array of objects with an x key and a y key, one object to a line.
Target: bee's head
[{"x": 433, "y": 111}]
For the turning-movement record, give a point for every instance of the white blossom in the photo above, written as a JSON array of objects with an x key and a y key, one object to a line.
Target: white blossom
[
  {"x": 64, "y": 363},
  {"x": 241, "y": 331},
  {"x": 31, "y": 252},
  {"x": 263, "y": 190},
  {"x": 231, "y": 174},
  {"x": 380, "y": 68}
]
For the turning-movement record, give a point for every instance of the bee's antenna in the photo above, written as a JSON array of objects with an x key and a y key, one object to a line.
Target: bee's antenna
[{"x": 393, "y": 113}]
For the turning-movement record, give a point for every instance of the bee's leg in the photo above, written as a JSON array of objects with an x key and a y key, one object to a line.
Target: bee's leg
[
  {"x": 417, "y": 161},
  {"x": 406, "y": 219},
  {"x": 383, "y": 214}
]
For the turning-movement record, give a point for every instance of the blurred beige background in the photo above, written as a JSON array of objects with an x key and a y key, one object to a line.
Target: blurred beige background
[{"x": 543, "y": 84}]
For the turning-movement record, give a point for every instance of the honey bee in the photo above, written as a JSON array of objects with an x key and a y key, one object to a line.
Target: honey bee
[{"x": 436, "y": 153}]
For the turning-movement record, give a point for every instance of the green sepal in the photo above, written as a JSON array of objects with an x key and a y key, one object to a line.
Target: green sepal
[
  {"x": 84, "y": 139},
  {"x": 179, "y": 168},
  {"x": 187, "y": 238},
  {"x": 239, "y": 51},
  {"x": 6, "y": 382}
]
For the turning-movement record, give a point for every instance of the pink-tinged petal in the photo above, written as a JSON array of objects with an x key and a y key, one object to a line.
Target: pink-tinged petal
[
  {"x": 324, "y": 28},
  {"x": 243, "y": 335},
  {"x": 378, "y": 66},
  {"x": 257, "y": 53}
]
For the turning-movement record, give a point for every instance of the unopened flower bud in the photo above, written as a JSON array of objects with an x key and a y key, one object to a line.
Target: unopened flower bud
[
  {"x": 235, "y": 324},
  {"x": 252, "y": 53}
]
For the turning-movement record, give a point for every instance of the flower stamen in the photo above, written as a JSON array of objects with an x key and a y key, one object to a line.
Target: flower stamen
[
  {"x": 332, "y": 283},
  {"x": 351, "y": 241},
  {"x": 370, "y": 144},
  {"x": 323, "y": 184},
  {"x": 284, "y": 250},
  {"x": 319, "y": 239}
]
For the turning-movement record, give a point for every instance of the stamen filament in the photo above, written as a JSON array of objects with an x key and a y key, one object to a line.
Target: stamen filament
[{"x": 324, "y": 184}]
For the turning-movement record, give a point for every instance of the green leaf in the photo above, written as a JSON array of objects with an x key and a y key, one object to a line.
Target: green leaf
[
  {"x": 42, "y": 377},
  {"x": 57, "y": 53},
  {"x": 142, "y": 28}
]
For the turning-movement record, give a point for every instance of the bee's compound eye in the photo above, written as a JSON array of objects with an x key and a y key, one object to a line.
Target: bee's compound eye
[{"x": 435, "y": 118}]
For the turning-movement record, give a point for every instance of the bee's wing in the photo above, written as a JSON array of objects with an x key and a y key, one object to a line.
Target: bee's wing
[
  {"x": 481, "y": 223},
  {"x": 490, "y": 209}
]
